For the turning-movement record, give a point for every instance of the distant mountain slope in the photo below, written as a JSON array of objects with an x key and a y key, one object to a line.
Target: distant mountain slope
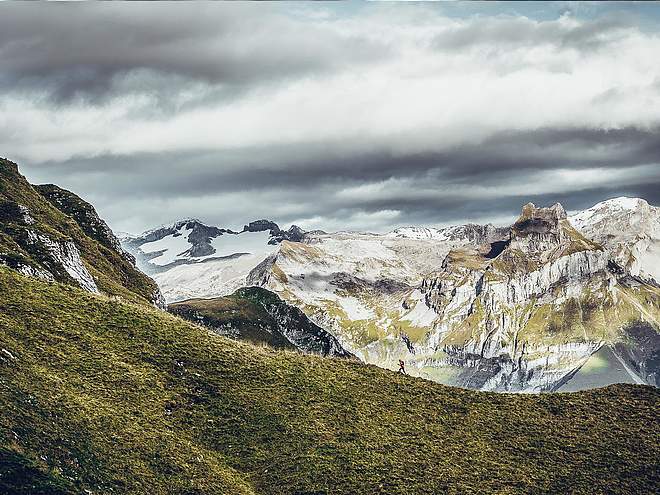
[
  {"x": 627, "y": 227},
  {"x": 53, "y": 234},
  {"x": 521, "y": 310},
  {"x": 259, "y": 316},
  {"x": 188, "y": 258},
  {"x": 100, "y": 396},
  {"x": 516, "y": 308}
]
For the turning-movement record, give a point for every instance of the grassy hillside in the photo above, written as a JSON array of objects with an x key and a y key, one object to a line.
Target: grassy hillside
[
  {"x": 25, "y": 211},
  {"x": 110, "y": 397},
  {"x": 257, "y": 315},
  {"x": 233, "y": 314}
]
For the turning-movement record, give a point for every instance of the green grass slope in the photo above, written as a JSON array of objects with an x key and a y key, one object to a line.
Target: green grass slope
[
  {"x": 259, "y": 316},
  {"x": 99, "y": 396},
  {"x": 236, "y": 315}
]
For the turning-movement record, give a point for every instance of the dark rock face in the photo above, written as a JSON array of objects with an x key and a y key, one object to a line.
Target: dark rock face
[
  {"x": 262, "y": 226},
  {"x": 260, "y": 316},
  {"x": 294, "y": 234},
  {"x": 201, "y": 237},
  {"x": 11, "y": 211},
  {"x": 535, "y": 220},
  {"x": 640, "y": 349},
  {"x": 84, "y": 214},
  {"x": 496, "y": 248}
]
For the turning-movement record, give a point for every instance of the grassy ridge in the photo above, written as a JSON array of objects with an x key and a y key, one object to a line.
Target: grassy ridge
[
  {"x": 256, "y": 315},
  {"x": 115, "y": 398},
  {"x": 249, "y": 320}
]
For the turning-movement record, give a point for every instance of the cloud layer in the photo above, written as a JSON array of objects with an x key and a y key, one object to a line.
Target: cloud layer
[{"x": 363, "y": 117}]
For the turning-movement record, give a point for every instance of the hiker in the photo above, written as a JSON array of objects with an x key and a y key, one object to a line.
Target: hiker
[{"x": 402, "y": 367}]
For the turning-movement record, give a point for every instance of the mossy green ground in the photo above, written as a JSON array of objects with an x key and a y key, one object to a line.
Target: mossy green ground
[{"x": 112, "y": 397}]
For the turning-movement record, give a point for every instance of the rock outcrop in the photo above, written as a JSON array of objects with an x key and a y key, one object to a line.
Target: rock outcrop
[
  {"x": 50, "y": 233},
  {"x": 629, "y": 228}
]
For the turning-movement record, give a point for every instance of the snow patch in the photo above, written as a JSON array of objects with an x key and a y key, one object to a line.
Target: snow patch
[
  {"x": 173, "y": 246},
  {"x": 245, "y": 242},
  {"x": 212, "y": 278},
  {"x": 355, "y": 310},
  {"x": 421, "y": 315}
]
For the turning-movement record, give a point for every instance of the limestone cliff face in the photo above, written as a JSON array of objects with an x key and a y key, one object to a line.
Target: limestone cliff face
[
  {"x": 523, "y": 320},
  {"x": 521, "y": 311},
  {"x": 629, "y": 228}
]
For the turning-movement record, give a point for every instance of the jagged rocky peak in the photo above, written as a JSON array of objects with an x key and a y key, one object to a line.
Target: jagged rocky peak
[
  {"x": 538, "y": 220},
  {"x": 85, "y": 215},
  {"x": 546, "y": 233},
  {"x": 262, "y": 226},
  {"x": 293, "y": 234},
  {"x": 187, "y": 226},
  {"x": 277, "y": 235}
]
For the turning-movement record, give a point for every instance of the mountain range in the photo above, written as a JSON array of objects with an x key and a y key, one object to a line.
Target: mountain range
[{"x": 552, "y": 302}]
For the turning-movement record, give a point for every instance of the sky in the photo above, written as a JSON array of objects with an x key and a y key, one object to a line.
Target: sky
[{"x": 333, "y": 116}]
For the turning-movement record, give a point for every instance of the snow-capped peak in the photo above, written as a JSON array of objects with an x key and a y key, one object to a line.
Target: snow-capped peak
[
  {"x": 412, "y": 232},
  {"x": 174, "y": 225},
  {"x": 601, "y": 212},
  {"x": 627, "y": 227}
]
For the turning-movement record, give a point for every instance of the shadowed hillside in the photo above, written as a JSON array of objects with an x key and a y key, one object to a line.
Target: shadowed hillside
[{"x": 257, "y": 315}]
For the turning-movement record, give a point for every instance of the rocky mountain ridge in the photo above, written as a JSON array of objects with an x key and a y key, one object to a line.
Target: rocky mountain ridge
[
  {"x": 52, "y": 234},
  {"x": 257, "y": 315},
  {"x": 629, "y": 228}
]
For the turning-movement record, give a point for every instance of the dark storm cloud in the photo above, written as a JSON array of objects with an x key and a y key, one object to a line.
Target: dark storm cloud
[
  {"x": 500, "y": 156},
  {"x": 427, "y": 188},
  {"x": 87, "y": 50},
  {"x": 392, "y": 115}
]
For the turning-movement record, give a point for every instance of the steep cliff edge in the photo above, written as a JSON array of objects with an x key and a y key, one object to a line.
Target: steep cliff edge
[
  {"x": 51, "y": 233},
  {"x": 529, "y": 318}
]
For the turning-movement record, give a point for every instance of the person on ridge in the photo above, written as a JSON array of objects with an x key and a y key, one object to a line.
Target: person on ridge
[{"x": 402, "y": 367}]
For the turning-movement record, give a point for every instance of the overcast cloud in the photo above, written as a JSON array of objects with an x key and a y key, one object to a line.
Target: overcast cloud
[{"x": 332, "y": 116}]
